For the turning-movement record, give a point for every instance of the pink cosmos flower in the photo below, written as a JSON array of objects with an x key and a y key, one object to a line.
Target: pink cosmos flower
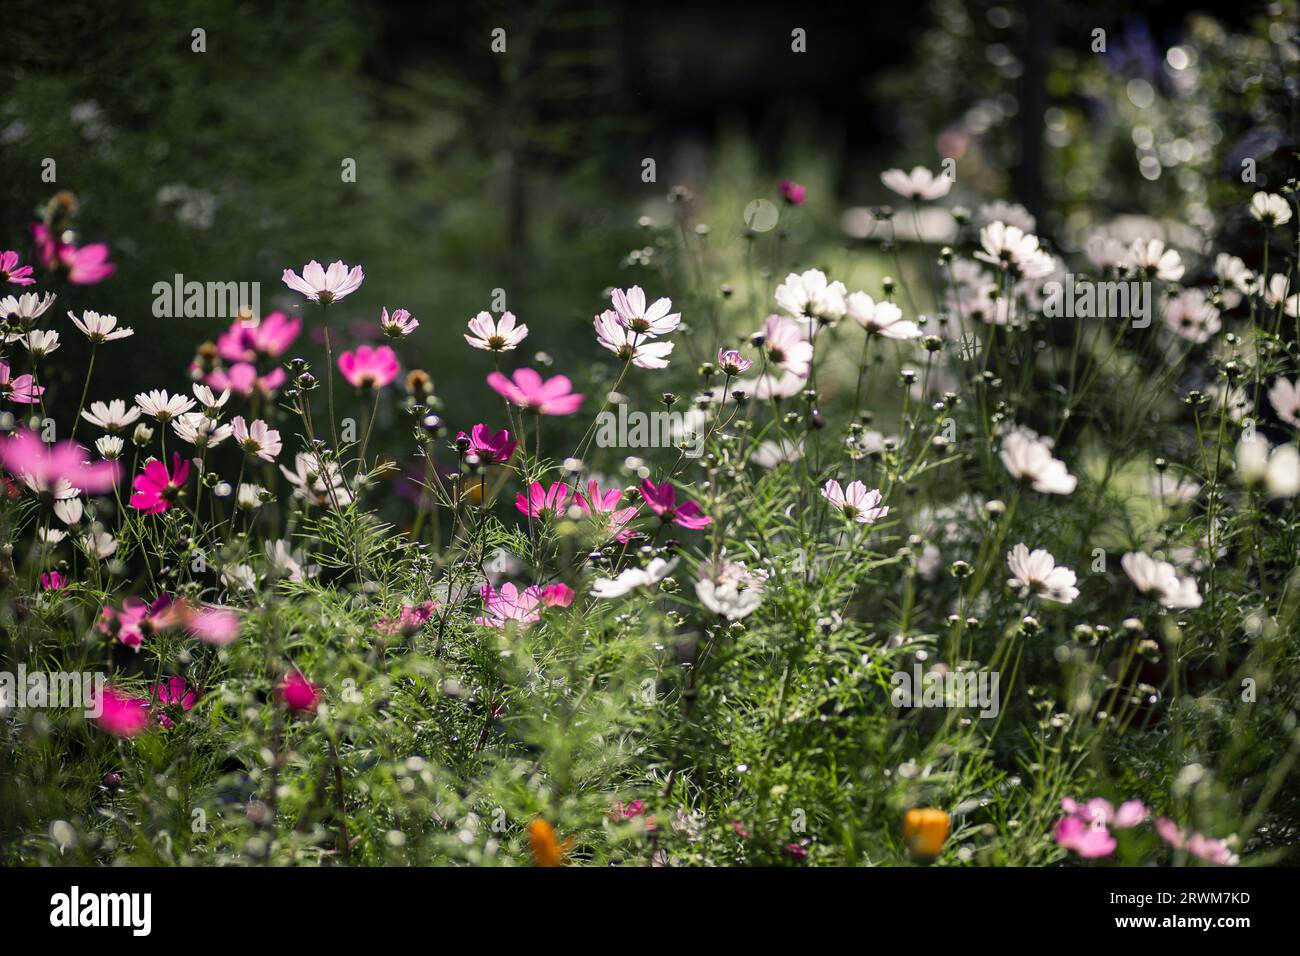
[
  {"x": 53, "y": 581},
  {"x": 257, "y": 439},
  {"x": 268, "y": 338},
  {"x": 121, "y": 715},
  {"x": 156, "y": 489},
  {"x": 510, "y": 604},
  {"x": 174, "y": 695},
  {"x": 12, "y": 272},
  {"x": 212, "y": 625},
  {"x": 597, "y": 503},
  {"x": 787, "y": 347},
  {"x": 794, "y": 193},
  {"x": 662, "y": 500},
  {"x": 629, "y": 346},
  {"x": 1086, "y": 839},
  {"x": 632, "y": 809},
  {"x": 86, "y": 265},
  {"x": 398, "y": 325},
  {"x": 298, "y": 693},
  {"x": 43, "y": 468},
  {"x": 633, "y": 315},
  {"x": 557, "y": 595},
  {"x": 856, "y": 501},
  {"x": 1098, "y": 810},
  {"x": 369, "y": 367},
  {"x": 325, "y": 285},
  {"x": 501, "y": 335},
  {"x": 242, "y": 379},
  {"x": 489, "y": 448},
  {"x": 1202, "y": 847},
  {"x": 732, "y": 362},
  {"x": 22, "y": 389},
  {"x": 136, "y": 620},
  {"x": 409, "y": 620},
  {"x": 554, "y": 396},
  {"x": 543, "y": 502}
]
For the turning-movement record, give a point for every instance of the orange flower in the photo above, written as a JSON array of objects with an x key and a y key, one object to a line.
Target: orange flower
[
  {"x": 926, "y": 831},
  {"x": 547, "y": 850}
]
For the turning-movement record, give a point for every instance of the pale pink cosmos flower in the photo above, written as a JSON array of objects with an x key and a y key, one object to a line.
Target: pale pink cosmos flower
[
  {"x": 662, "y": 500},
  {"x": 1009, "y": 247},
  {"x": 1160, "y": 580},
  {"x": 120, "y": 714},
  {"x": 1192, "y": 316},
  {"x": 369, "y": 367},
  {"x": 409, "y": 619},
  {"x": 321, "y": 484},
  {"x": 732, "y": 362},
  {"x": 526, "y": 389},
  {"x": 596, "y": 503},
  {"x": 11, "y": 272},
  {"x": 85, "y": 265},
  {"x": 298, "y": 693},
  {"x": 510, "y": 604},
  {"x": 267, "y": 338},
  {"x": 1038, "y": 573},
  {"x": 176, "y": 696},
  {"x": 156, "y": 489},
  {"x": 1100, "y": 812},
  {"x": 1088, "y": 840},
  {"x": 1027, "y": 456},
  {"x": 1150, "y": 258},
  {"x": 787, "y": 347},
  {"x": 257, "y": 439},
  {"x": 45, "y": 469},
  {"x": 855, "y": 501},
  {"x": 920, "y": 184},
  {"x": 398, "y": 325},
  {"x": 325, "y": 285},
  {"x": 1202, "y": 847},
  {"x": 880, "y": 318},
  {"x": 136, "y": 620},
  {"x": 163, "y": 406},
  {"x": 496, "y": 335},
  {"x": 630, "y": 346},
  {"x": 1284, "y": 396},
  {"x": 21, "y": 389},
  {"x": 811, "y": 295},
  {"x": 543, "y": 502},
  {"x": 212, "y": 625},
  {"x": 487, "y": 447},
  {"x": 633, "y": 315},
  {"x": 100, "y": 328}
]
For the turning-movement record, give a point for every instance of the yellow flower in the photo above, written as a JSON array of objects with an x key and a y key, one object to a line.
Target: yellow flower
[
  {"x": 547, "y": 850},
  {"x": 926, "y": 831}
]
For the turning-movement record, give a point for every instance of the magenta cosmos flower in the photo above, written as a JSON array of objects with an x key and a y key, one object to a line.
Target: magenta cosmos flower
[
  {"x": 596, "y": 504},
  {"x": 21, "y": 389},
  {"x": 136, "y": 620},
  {"x": 120, "y": 714},
  {"x": 489, "y": 448},
  {"x": 174, "y": 696},
  {"x": 43, "y": 467},
  {"x": 267, "y": 339},
  {"x": 794, "y": 193},
  {"x": 53, "y": 581},
  {"x": 243, "y": 379},
  {"x": 554, "y": 396},
  {"x": 369, "y": 367},
  {"x": 156, "y": 489},
  {"x": 12, "y": 272},
  {"x": 543, "y": 502},
  {"x": 298, "y": 693},
  {"x": 662, "y": 500},
  {"x": 86, "y": 265},
  {"x": 325, "y": 285}
]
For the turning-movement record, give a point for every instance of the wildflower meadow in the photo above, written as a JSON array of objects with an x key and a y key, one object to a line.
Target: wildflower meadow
[{"x": 909, "y": 523}]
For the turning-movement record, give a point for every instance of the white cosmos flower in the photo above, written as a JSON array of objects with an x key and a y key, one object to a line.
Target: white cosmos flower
[
  {"x": 811, "y": 295},
  {"x": 282, "y": 562},
  {"x": 162, "y": 406},
  {"x": 880, "y": 318},
  {"x": 1275, "y": 294},
  {"x": 40, "y": 342},
  {"x": 496, "y": 335},
  {"x": 110, "y": 446},
  {"x": 99, "y": 544},
  {"x": 325, "y": 285},
  {"x": 1160, "y": 580},
  {"x": 633, "y": 578},
  {"x": 249, "y": 496},
  {"x": 1038, "y": 572},
  {"x": 1106, "y": 252},
  {"x": 1270, "y": 209},
  {"x": 658, "y": 319},
  {"x": 1192, "y": 316},
  {"x": 309, "y": 482},
  {"x": 239, "y": 577},
  {"x": 209, "y": 399},
  {"x": 1009, "y": 247},
  {"x": 26, "y": 308},
  {"x": 1150, "y": 257},
  {"x": 1278, "y": 471},
  {"x": 630, "y": 346},
  {"x": 769, "y": 386},
  {"x": 920, "y": 183},
  {"x": 50, "y": 536},
  {"x": 1235, "y": 279},
  {"x": 1284, "y": 396},
  {"x": 855, "y": 501},
  {"x": 1013, "y": 214},
  {"x": 769, "y": 454},
  {"x": 68, "y": 510},
  {"x": 1173, "y": 491},
  {"x": 1029, "y": 457},
  {"x": 730, "y": 589},
  {"x": 113, "y": 416},
  {"x": 100, "y": 328},
  {"x": 200, "y": 430}
]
